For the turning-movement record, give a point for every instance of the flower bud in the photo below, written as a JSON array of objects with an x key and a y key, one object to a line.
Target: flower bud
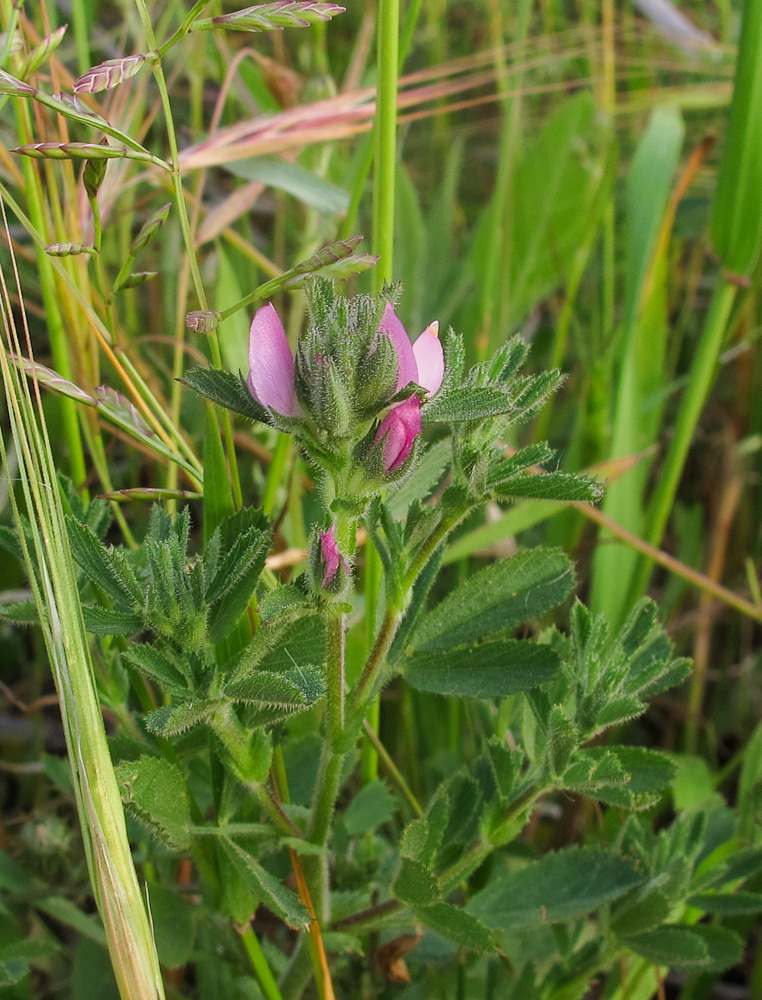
[
  {"x": 329, "y": 569},
  {"x": 398, "y": 432}
]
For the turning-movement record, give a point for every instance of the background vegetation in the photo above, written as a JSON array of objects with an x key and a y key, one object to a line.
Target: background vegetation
[{"x": 557, "y": 176}]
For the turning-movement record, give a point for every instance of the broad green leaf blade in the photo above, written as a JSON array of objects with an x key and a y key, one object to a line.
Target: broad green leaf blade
[
  {"x": 564, "y": 885},
  {"x": 154, "y": 790},
  {"x": 416, "y": 884},
  {"x": 497, "y": 598},
  {"x": 458, "y": 925},
  {"x": 294, "y": 179},
  {"x": 727, "y": 904},
  {"x": 110, "y": 621},
  {"x": 280, "y": 899},
  {"x": 549, "y": 486},
  {"x": 488, "y": 670},
  {"x": 737, "y": 217},
  {"x": 372, "y": 806},
  {"x": 226, "y": 390}
]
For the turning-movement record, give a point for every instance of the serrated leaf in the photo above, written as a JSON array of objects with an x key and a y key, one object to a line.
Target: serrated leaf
[
  {"x": 297, "y": 690},
  {"x": 563, "y": 885},
  {"x": 467, "y": 403},
  {"x": 171, "y": 720},
  {"x": 111, "y": 621},
  {"x": 493, "y": 669},
  {"x": 226, "y": 390},
  {"x": 416, "y": 884},
  {"x": 158, "y": 666},
  {"x": 497, "y": 598},
  {"x": 549, "y": 486},
  {"x": 155, "y": 791},
  {"x": 101, "y": 565},
  {"x": 640, "y": 912},
  {"x": 456, "y": 924},
  {"x": 671, "y": 945},
  {"x": 727, "y": 904},
  {"x": 20, "y": 613},
  {"x": 278, "y": 898},
  {"x": 372, "y": 806},
  {"x": 631, "y": 777}
]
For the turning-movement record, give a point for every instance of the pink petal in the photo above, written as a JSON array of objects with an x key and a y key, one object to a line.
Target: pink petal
[
  {"x": 271, "y": 363},
  {"x": 391, "y": 325},
  {"x": 331, "y": 556},
  {"x": 429, "y": 358},
  {"x": 399, "y": 429}
]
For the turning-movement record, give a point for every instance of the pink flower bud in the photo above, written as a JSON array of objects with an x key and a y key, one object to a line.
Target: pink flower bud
[
  {"x": 332, "y": 558},
  {"x": 398, "y": 431},
  {"x": 271, "y": 363}
]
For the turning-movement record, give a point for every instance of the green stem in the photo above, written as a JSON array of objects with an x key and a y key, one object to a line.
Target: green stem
[
  {"x": 392, "y": 768},
  {"x": 375, "y": 663},
  {"x": 335, "y": 654},
  {"x": 702, "y": 373},
  {"x": 259, "y": 964},
  {"x": 385, "y": 139}
]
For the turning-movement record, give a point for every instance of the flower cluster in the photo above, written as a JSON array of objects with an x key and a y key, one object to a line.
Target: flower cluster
[{"x": 341, "y": 379}]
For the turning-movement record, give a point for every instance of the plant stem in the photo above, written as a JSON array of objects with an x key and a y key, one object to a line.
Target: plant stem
[
  {"x": 259, "y": 963},
  {"x": 385, "y": 139},
  {"x": 392, "y": 768},
  {"x": 335, "y": 626}
]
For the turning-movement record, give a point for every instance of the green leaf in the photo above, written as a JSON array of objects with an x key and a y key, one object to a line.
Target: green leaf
[
  {"x": 101, "y": 565},
  {"x": 457, "y": 924},
  {"x": 416, "y": 884},
  {"x": 737, "y": 215},
  {"x": 467, "y": 403},
  {"x": 174, "y": 921},
  {"x": 226, "y": 390},
  {"x": 631, "y": 777},
  {"x": 639, "y": 912},
  {"x": 159, "y": 666},
  {"x": 171, "y": 720},
  {"x": 674, "y": 946},
  {"x": 497, "y": 598},
  {"x": 373, "y": 805},
  {"x": 727, "y": 904},
  {"x": 294, "y": 179},
  {"x": 492, "y": 669},
  {"x": 277, "y": 897},
  {"x": 65, "y": 912},
  {"x": 20, "y": 613},
  {"x": 563, "y": 885},
  {"x": 244, "y": 540},
  {"x": 295, "y": 690},
  {"x": 111, "y": 621},
  {"x": 155, "y": 791},
  {"x": 549, "y": 486}
]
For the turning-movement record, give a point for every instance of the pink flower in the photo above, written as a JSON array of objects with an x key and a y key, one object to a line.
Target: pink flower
[
  {"x": 421, "y": 362},
  {"x": 332, "y": 558},
  {"x": 398, "y": 431},
  {"x": 271, "y": 363}
]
